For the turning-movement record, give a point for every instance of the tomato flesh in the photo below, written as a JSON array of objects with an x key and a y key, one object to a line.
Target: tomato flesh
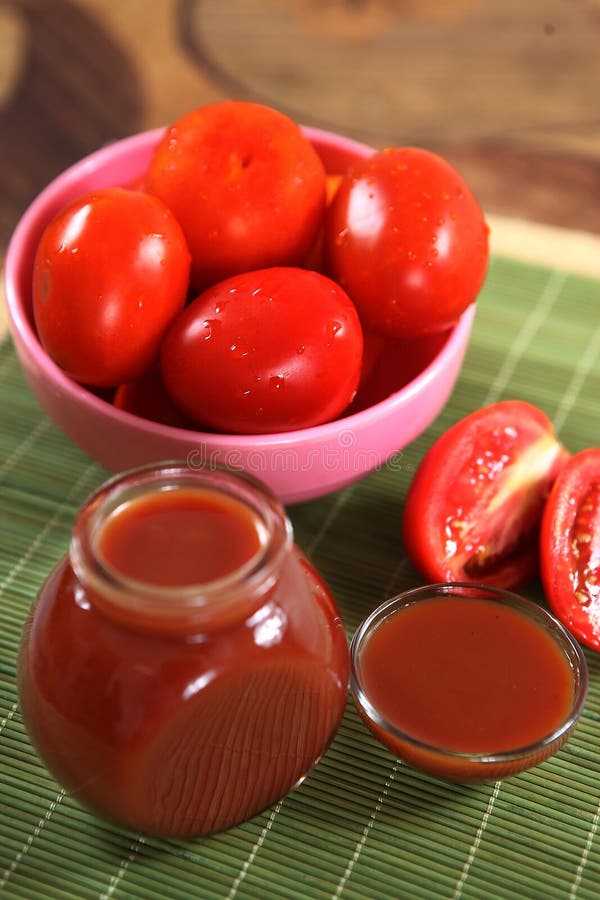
[
  {"x": 570, "y": 547},
  {"x": 474, "y": 508}
]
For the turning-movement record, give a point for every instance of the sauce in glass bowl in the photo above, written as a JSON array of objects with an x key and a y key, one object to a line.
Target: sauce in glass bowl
[{"x": 467, "y": 682}]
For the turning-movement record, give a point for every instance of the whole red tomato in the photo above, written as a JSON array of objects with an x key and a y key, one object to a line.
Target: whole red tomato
[
  {"x": 406, "y": 238},
  {"x": 570, "y": 547},
  {"x": 147, "y": 398},
  {"x": 314, "y": 259},
  {"x": 246, "y": 185},
  {"x": 111, "y": 271},
  {"x": 264, "y": 351},
  {"x": 475, "y": 504}
]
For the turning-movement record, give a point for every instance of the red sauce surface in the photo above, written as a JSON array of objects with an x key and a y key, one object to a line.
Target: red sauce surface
[
  {"x": 179, "y": 537},
  {"x": 469, "y": 675}
]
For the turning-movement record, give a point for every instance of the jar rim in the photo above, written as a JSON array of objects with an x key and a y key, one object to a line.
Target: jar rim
[{"x": 253, "y": 578}]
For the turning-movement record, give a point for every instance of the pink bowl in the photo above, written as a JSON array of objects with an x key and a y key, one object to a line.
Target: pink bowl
[{"x": 406, "y": 393}]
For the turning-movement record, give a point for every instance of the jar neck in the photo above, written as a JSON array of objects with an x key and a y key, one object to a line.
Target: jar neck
[{"x": 183, "y": 608}]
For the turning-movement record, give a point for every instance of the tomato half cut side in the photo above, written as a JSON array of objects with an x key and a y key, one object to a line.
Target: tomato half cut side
[
  {"x": 570, "y": 547},
  {"x": 474, "y": 507}
]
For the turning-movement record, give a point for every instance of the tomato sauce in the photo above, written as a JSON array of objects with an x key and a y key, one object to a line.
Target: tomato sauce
[
  {"x": 168, "y": 723},
  {"x": 466, "y": 675},
  {"x": 182, "y": 537}
]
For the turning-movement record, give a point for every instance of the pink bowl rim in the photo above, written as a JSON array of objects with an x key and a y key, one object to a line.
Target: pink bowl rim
[{"x": 457, "y": 336}]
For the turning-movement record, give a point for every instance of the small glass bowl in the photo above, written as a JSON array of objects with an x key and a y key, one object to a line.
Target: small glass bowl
[{"x": 453, "y": 765}]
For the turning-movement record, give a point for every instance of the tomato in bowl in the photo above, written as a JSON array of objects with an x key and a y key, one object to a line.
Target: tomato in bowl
[{"x": 298, "y": 465}]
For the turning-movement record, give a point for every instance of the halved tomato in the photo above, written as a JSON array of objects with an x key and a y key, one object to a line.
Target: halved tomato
[
  {"x": 474, "y": 507},
  {"x": 570, "y": 547}
]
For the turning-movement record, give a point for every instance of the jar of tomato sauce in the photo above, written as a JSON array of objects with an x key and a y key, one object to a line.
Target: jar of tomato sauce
[{"x": 184, "y": 666}]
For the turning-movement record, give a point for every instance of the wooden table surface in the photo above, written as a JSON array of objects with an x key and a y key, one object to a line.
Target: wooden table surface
[{"x": 507, "y": 90}]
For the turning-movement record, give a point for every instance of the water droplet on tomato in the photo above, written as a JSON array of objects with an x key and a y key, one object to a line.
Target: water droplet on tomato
[
  {"x": 333, "y": 328},
  {"x": 276, "y": 382},
  {"x": 239, "y": 350}
]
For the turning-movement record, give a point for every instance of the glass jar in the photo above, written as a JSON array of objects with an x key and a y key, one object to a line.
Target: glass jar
[{"x": 180, "y": 674}]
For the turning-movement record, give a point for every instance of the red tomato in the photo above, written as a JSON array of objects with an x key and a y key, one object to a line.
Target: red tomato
[
  {"x": 390, "y": 365},
  {"x": 314, "y": 259},
  {"x": 111, "y": 271},
  {"x": 474, "y": 507},
  {"x": 146, "y": 397},
  {"x": 246, "y": 185},
  {"x": 265, "y": 351},
  {"x": 570, "y": 547},
  {"x": 406, "y": 238}
]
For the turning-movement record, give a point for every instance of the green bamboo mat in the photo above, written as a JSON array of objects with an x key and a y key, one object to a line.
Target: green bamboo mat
[{"x": 362, "y": 825}]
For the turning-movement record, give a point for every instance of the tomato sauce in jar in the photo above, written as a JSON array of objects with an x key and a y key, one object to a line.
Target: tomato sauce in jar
[
  {"x": 467, "y": 683},
  {"x": 184, "y": 667}
]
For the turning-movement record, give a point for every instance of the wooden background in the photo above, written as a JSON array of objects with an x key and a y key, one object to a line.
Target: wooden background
[{"x": 508, "y": 90}]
